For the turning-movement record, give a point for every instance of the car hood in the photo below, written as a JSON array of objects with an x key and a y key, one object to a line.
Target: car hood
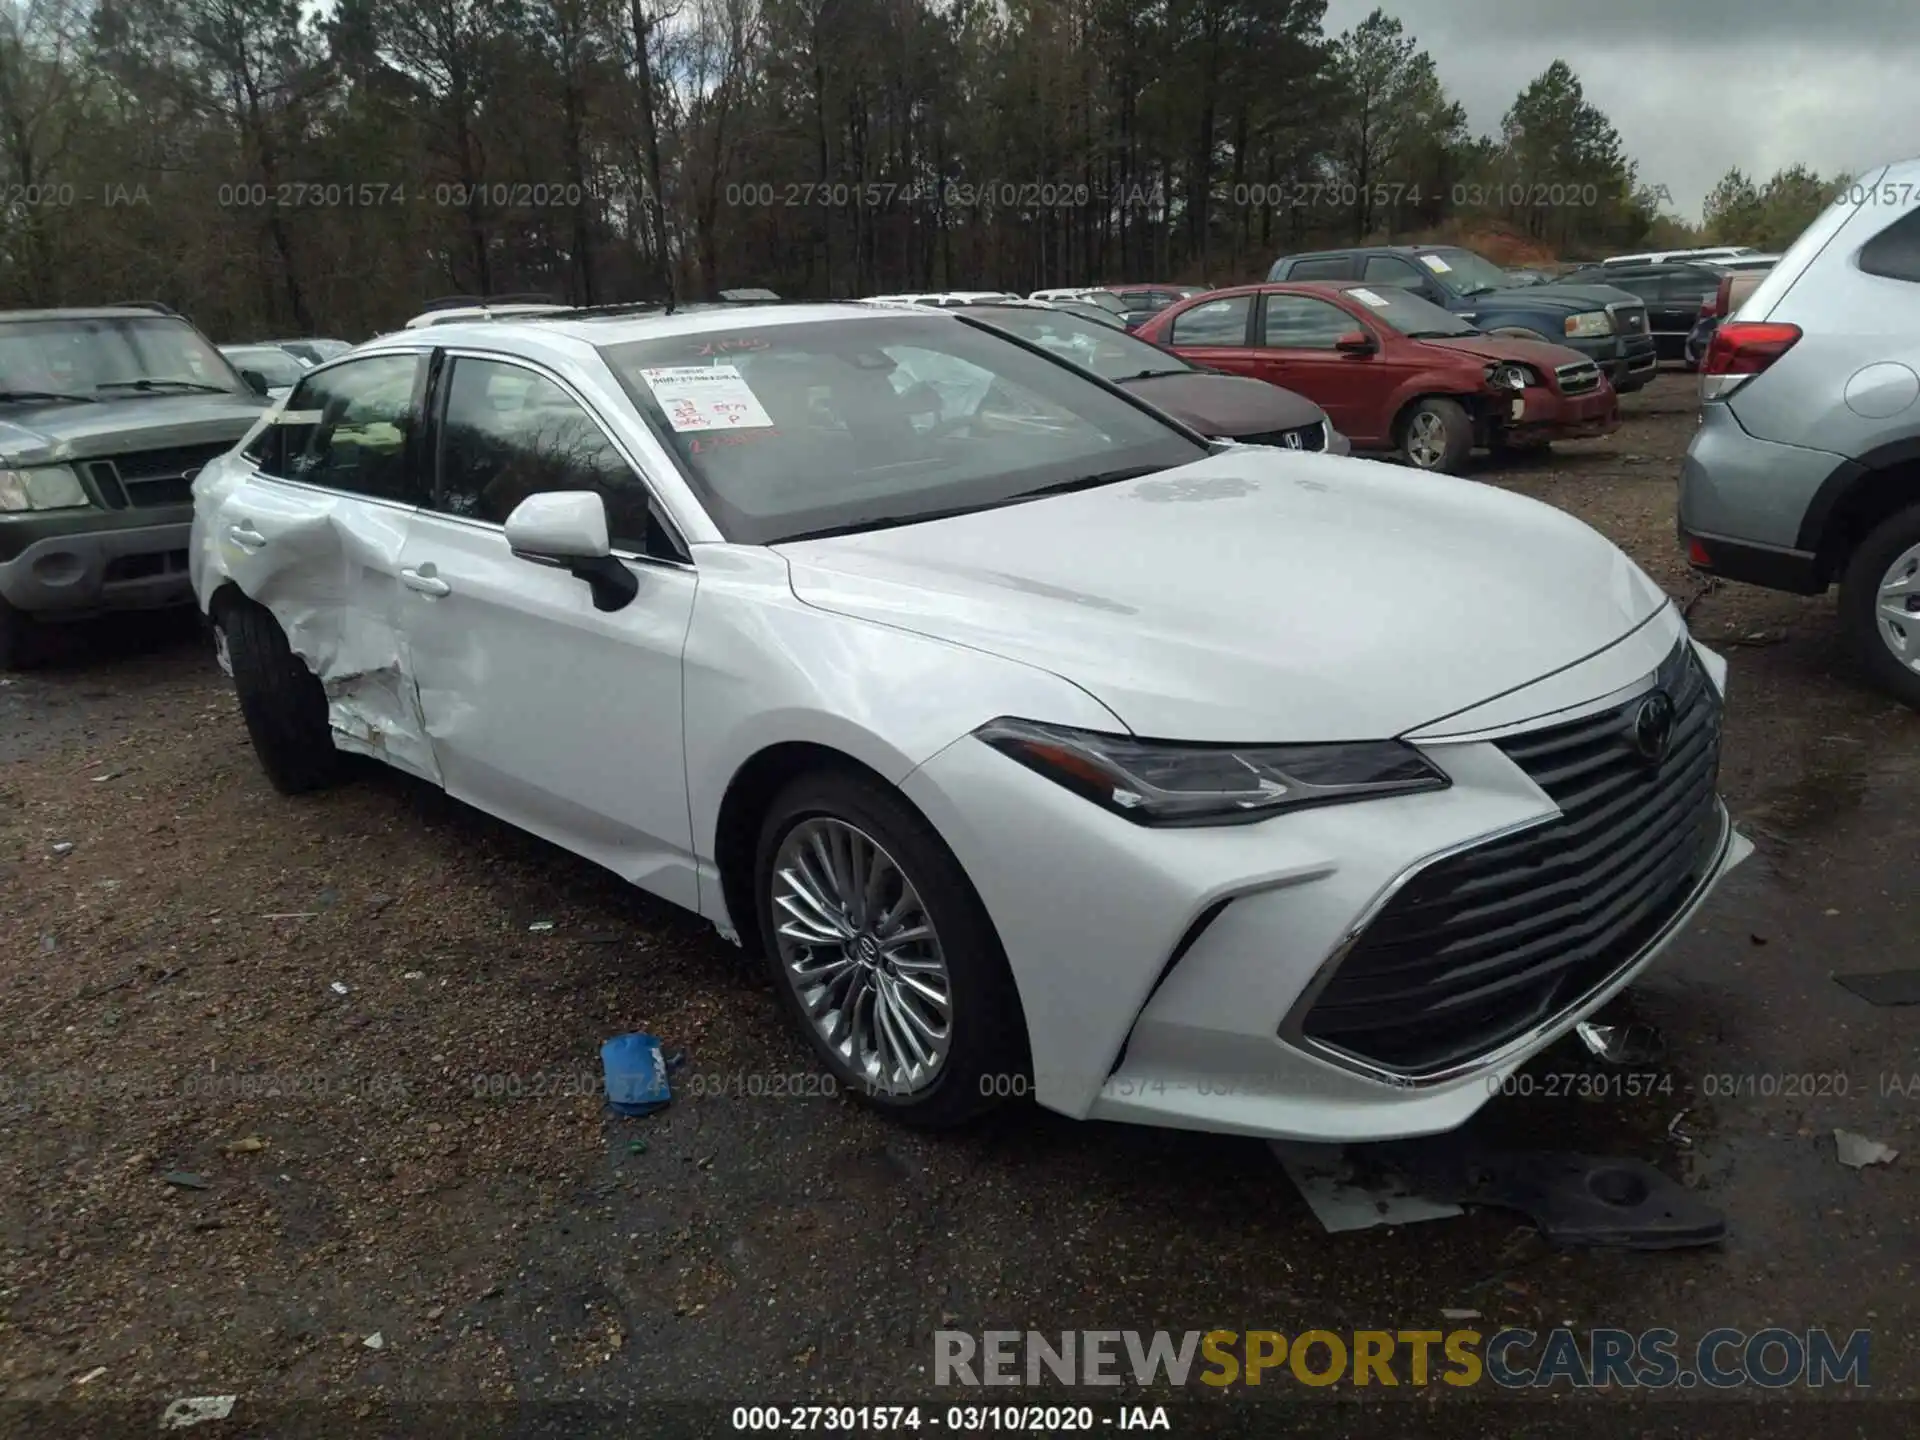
[
  {"x": 1571, "y": 298},
  {"x": 1226, "y": 405},
  {"x": 1542, "y": 355},
  {"x": 1254, "y": 595},
  {"x": 50, "y": 434}
]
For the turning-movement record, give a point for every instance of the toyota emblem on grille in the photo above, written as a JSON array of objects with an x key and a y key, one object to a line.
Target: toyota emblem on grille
[
  {"x": 1293, "y": 439},
  {"x": 1653, "y": 726}
]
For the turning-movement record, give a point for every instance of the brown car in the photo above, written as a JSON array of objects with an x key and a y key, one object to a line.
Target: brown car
[{"x": 1394, "y": 372}]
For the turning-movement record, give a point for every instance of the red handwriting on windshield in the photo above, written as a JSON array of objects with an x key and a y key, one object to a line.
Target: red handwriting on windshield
[
  {"x": 728, "y": 439},
  {"x": 729, "y": 344}
]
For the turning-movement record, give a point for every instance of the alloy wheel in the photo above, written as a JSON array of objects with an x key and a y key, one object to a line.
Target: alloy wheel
[
  {"x": 1897, "y": 608},
  {"x": 1426, "y": 440},
  {"x": 860, "y": 950}
]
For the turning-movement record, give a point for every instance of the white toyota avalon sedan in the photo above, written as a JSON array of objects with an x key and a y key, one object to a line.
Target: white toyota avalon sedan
[{"x": 1040, "y": 746}]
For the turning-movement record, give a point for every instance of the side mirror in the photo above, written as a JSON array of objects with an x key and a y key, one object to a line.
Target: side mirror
[
  {"x": 567, "y": 529},
  {"x": 1356, "y": 342},
  {"x": 256, "y": 382}
]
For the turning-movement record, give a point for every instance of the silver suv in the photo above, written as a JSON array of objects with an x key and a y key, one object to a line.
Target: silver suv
[{"x": 1806, "y": 467}]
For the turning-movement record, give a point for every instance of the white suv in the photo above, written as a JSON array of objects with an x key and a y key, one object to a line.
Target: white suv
[
  {"x": 1040, "y": 746},
  {"x": 1806, "y": 467}
]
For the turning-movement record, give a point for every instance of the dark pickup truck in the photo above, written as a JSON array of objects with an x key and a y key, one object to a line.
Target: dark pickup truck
[
  {"x": 106, "y": 415},
  {"x": 1607, "y": 325}
]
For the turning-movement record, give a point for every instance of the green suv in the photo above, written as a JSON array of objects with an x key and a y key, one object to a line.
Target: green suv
[{"x": 106, "y": 415}]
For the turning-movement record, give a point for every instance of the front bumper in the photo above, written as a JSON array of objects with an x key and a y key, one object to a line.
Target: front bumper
[
  {"x": 1628, "y": 361},
  {"x": 1157, "y": 968},
  {"x": 1545, "y": 414},
  {"x": 99, "y": 568}
]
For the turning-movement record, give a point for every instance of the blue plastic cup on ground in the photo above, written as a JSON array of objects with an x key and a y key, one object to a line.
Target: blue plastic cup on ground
[{"x": 635, "y": 1072}]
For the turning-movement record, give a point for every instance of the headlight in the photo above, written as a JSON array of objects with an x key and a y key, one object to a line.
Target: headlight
[
  {"x": 1590, "y": 325},
  {"x": 44, "y": 487},
  {"x": 1156, "y": 782},
  {"x": 1511, "y": 377}
]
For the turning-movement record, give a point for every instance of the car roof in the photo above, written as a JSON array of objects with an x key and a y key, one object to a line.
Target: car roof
[
  {"x": 620, "y": 326},
  {"x": 1367, "y": 250},
  {"x": 1254, "y": 287},
  {"x": 453, "y": 315},
  {"x": 93, "y": 312}
]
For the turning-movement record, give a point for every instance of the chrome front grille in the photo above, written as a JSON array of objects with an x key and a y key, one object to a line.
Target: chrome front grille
[
  {"x": 1300, "y": 437},
  {"x": 1483, "y": 946},
  {"x": 149, "y": 478},
  {"x": 1578, "y": 378},
  {"x": 1629, "y": 318}
]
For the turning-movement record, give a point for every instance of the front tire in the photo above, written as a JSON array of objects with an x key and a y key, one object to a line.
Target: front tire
[
  {"x": 883, "y": 955},
  {"x": 1880, "y": 605},
  {"x": 283, "y": 702},
  {"x": 1436, "y": 434}
]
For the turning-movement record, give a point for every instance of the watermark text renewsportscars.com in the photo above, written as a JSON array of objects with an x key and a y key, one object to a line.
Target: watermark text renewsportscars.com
[{"x": 1725, "y": 1358}]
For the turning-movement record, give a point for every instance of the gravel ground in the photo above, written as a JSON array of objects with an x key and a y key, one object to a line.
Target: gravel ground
[{"x": 282, "y": 1076}]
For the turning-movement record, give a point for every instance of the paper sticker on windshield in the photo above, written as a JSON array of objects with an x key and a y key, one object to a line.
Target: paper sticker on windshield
[
  {"x": 705, "y": 397},
  {"x": 1435, "y": 264},
  {"x": 1367, "y": 297}
]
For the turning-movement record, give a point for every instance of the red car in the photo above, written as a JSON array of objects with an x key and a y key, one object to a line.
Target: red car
[{"x": 1394, "y": 372}]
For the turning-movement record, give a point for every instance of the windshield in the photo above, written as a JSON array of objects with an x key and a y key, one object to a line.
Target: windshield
[
  {"x": 788, "y": 430},
  {"x": 1104, "y": 299},
  {"x": 72, "y": 356},
  {"x": 275, "y": 365},
  {"x": 1406, "y": 312},
  {"x": 1110, "y": 353},
  {"x": 1462, "y": 271}
]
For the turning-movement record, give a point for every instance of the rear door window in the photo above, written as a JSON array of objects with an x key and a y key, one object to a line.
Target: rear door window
[
  {"x": 351, "y": 428},
  {"x": 1213, "y": 322}
]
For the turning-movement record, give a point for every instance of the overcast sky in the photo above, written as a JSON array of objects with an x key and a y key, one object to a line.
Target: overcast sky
[{"x": 1693, "y": 86}]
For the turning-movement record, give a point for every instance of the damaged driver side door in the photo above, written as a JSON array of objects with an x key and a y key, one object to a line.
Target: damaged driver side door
[{"x": 315, "y": 533}]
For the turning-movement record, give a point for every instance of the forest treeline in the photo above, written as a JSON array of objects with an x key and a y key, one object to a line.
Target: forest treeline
[{"x": 275, "y": 166}]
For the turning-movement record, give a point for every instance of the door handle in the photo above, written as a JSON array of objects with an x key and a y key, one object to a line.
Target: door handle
[
  {"x": 425, "y": 584},
  {"x": 245, "y": 536}
]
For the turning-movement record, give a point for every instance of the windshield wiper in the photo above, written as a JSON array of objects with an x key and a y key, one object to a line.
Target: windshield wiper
[
  {"x": 45, "y": 395},
  {"x": 1091, "y": 482},
  {"x": 1438, "y": 334},
  {"x": 146, "y": 383},
  {"x": 887, "y": 522},
  {"x": 1152, "y": 374},
  {"x": 892, "y": 522}
]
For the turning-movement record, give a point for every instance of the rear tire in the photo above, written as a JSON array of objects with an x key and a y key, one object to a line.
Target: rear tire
[
  {"x": 284, "y": 703},
  {"x": 1882, "y": 633},
  {"x": 983, "y": 1053},
  {"x": 23, "y": 640},
  {"x": 1436, "y": 434}
]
